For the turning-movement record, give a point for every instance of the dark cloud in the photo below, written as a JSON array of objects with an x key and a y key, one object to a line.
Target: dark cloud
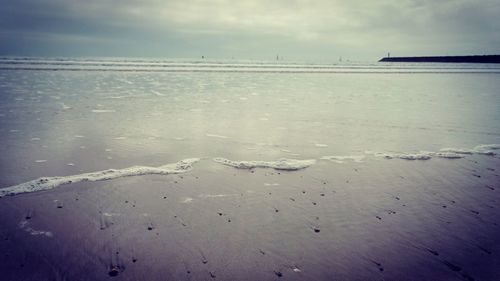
[{"x": 249, "y": 29}]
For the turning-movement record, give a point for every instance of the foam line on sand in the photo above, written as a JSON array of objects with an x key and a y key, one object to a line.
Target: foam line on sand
[
  {"x": 342, "y": 159},
  {"x": 281, "y": 164},
  {"x": 45, "y": 183},
  {"x": 449, "y": 153}
]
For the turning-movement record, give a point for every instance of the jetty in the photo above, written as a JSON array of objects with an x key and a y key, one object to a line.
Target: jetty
[{"x": 446, "y": 59}]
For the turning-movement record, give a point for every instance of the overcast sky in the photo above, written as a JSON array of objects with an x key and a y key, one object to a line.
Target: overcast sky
[{"x": 249, "y": 29}]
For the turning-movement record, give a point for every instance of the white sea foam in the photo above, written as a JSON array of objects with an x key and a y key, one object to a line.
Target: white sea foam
[
  {"x": 414, "y": 156},
  {"x": 405, "y": 156},
  {"x": 281, "y": 164},
  {"x": 457, "y": 150},
  {"x": 157, "y": 93},
  {"x": 290, "y": 152},
  {"x": 110, "y": 214},
  {"x": 321, "y": 145},
  {"x": 448, "y": 152},
  {"x": 125, "y": 97},
  {"x": 488, "y": 146},
  {"x": 342, "y": 159},
  {"x": 449, "y": 155},
  {"x": 486, "y": 149},
  {"x": 103, "y": 110},
  {"x": 216, "y": 195},
  {"x": 187, "y": 200},
  {"x": 46, "y": 183},
  {"x": 216, "y": 136},
  {"x": 65, "y": 107},
  {"x": 24, "y": 225}
]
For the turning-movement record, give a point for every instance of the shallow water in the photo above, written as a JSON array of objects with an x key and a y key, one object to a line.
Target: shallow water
[{"x": 360, "y": 211}]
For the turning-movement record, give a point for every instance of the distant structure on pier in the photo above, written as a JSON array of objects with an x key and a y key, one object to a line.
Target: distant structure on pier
[{"x": 445, "y": 59}]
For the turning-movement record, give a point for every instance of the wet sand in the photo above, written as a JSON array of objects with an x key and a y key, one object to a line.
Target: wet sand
[{"x": 374, "y": 220}]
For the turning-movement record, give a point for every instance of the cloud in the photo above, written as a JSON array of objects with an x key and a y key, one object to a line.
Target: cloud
[{"x": 299, "y": 28}]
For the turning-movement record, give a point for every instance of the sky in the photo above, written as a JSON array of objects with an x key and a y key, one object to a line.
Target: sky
[{"x": 325, "y": 30}]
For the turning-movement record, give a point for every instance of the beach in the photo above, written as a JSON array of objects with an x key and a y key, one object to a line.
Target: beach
[{"x": 223, "y": 170}]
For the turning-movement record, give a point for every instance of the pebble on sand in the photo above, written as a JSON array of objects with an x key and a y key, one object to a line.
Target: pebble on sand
[{"x": 114, "y": 271}]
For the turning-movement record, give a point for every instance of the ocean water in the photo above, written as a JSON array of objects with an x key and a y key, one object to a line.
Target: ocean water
[
  {"x": 254, "y": 129},
  {"x": 109, "y": 113}
]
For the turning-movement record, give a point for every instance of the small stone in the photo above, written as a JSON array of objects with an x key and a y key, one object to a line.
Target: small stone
[{"x": 114, "y": 271}]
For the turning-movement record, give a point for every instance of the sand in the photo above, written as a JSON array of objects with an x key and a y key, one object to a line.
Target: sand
[{"x": 351, "y": 221}]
